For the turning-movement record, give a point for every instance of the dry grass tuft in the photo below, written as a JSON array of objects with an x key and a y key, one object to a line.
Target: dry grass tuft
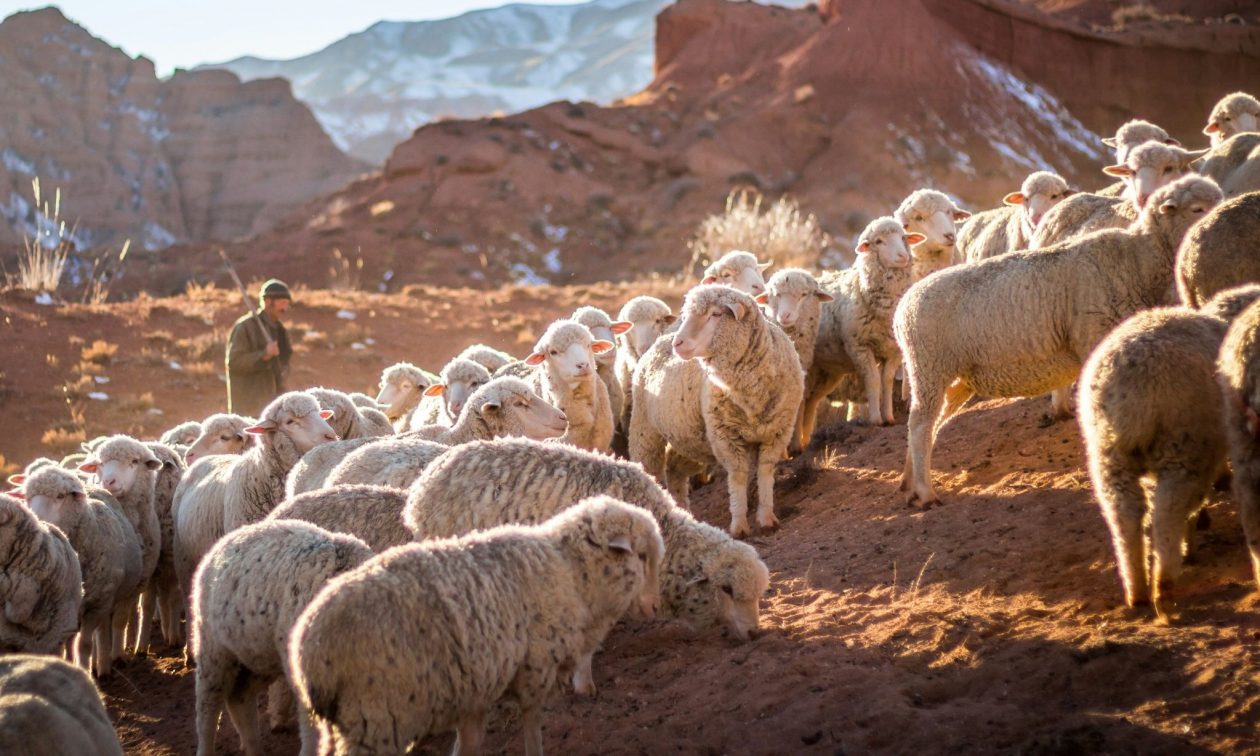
[
  {"x": 62, "y": 440},
  {"x": 101, "y": 352},
  {"x": 780, "y": 233}
]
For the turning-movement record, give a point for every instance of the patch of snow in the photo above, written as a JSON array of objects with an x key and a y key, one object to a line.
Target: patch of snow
[
  {"x": 43, "y": 298},
  {"x": 175, "y": 365},
  {"x": 98, "y": 396},
  {"x": 156, "y": 237},
  {"x": 555, "y": 233},
  {"x": 551, "y": 260},
  {"x": 346, "y": 315},
  {"x": 100, "y": 379},
  {"x": 155, "y": 411},
  {"x": 16, "y": 163},
  {"x": 358, "y": 346},
  {"x": 525, "y": 275}
]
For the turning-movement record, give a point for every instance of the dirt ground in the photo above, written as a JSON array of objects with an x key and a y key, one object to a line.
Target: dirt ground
[{"x": 990, "y": 624}]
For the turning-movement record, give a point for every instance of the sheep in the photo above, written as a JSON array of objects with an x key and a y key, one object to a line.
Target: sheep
[
  {"x": 488, "y": 357},
  {"x": 568, "y": 381},
  {"x": 855, "y": 332},
  {"x": 738, "y": 270},
  {"x": 109, "y": 558},
  {"x": 793, "y": 298},
  {"x": 1011, "y": 227},
  {"x": 727, "y": 392},
  {"x": 605, "y": 328},
  {"x": 185, "y": 434},
  {"x": 1134, "y": 133},
  {"x": 1150, "y": 406},
  {"x": 220, "y": 434},
  {"x": 402, "y": 386},
  {"x": 312, "y": 470},
  {"x": 1233, "y": 114},
  {"x": 935, "y": 217},
  {"x": 395, "y": 462},
  {"x": 373, "y": 514},
  {"x": 1058, "y": 304},
  {"x": 162, "y": 592},
  {"x": 1220, "y": 251},
  {"x": 50, "y": 707},
  {"x": 1145, "y": 169},
  {"x": 708, "y": 578},
  {"x": 507, "y": 612},
  {"x": 41, "y": 583},
  {"x": 349, "y": 421},
  {"x": 18, "y": 479},
  {"x": 503, "y": 407},
  {"x": 1235, "y": 165},
  {"x": 1238, "y": 370},
  {"x": 650, "y": 318},
  {"x": 249, "y": 590},
  {"x": 443, "y": 400},
  {"x": 220, "y": 494}
]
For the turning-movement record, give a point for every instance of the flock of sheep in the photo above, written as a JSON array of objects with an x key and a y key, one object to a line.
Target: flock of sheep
[{"x": 394, "y": 566}]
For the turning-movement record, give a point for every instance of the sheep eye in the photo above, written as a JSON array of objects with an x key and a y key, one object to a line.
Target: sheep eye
[
  {"x": 918, "y": 217},
  {"x": 290, "y": 421},
  {"x": 1197, "y": 210},
  {"x": 879, "y": 241},
  {"x": 1168, "y": 169},
  {"x": 729, "y": 591}
]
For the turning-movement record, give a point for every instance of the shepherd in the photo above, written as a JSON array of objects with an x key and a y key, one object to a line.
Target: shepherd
[{"x": 258, "y": 352}]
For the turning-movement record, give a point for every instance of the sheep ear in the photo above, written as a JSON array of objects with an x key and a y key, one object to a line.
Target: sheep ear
[
  {"x": 862, "y": 248},
  {"x": 90, "y": 466},
  {"x": 669, "y": 319},
  {"x": 913, "y": 238},
  {"x": 824, "y": 296},
  {"x": 738, "y": 310},
  {"x": 1109, "y": 141},
  {"x": 709, "y": 280},
  {"x": 961, "y": 215},
  {"x": 1121, "y": 170},
  {"x": 264, "y": 426},
  {"x": 1168, "y": 207},
  {"x": 1172, "y": 142},
  {"x": 326, "y": 414},
  {"x": 765, "y": 265},
  {"x": 601, "y": 346},
  {"x": 535, "y": 358},
  {"x": 621, "y": 326},
  {"x": 491, "y": 408},
  {"x": 17, "y": 479},
  {"x": 1189, "y": 156},
  {"x": 762, "y": 298},
  {"x": 436, "y": 389},
  {"x": 153, "y": 464},
  {"x": 1014, "y": 198},
  {"x": 18, "y": 493},
  {"x": 1211, "y": 128},
  {"x": 621, "y": 543}
]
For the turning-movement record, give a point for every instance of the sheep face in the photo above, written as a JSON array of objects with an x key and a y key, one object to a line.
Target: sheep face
[
  {"x": 53, "y": 495},
  {"x": 569, "y": 351},
  {"x": 603, "y": 328},
  {"x": 738, "y": 270},
  {"x": 527, "y": 414},
  {"x": 460, "y": 378},
  {"x": 1173, "y": 209},
  {"x": 298, "y": 417},
  {"x": 933, "y": 215},
  {"x": 786, "y": 294},
  {"x": 888, "y": 242},
  {"x": 709, "y": 312},
  {"x": 1151, "y": 166},
  {"x": 1135, "y": 133},
  {"x": 1234, "y": 114},
  {"x": 646, "y": 330},
  {"x": 1039, "y": 194},
  {"x": 118, "y": 461},
  {"x": 727, "y": 592},
  {"x": 630, "y": 536},
  {"x": 220, "y": 434},
  {"x": 400, "y": 389}
]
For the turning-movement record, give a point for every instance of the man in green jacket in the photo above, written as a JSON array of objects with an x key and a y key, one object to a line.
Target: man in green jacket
[{"x": 257, "y": 364}]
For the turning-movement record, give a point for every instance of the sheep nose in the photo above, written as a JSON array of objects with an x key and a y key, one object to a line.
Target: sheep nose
[
  {"x": 330, "y": 436},
  {"x": 1141, "y": 200},
  {"x": 757, "y": 289},
  {"x": 949, "y": 238}
]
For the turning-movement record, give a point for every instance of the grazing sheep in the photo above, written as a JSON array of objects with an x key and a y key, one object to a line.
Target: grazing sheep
[
  {"x": 443, "y": 400},
  {"x": 1150, "y": 406},
  {"x": 727, "y": 392},
  {"x": 163, "y": 589},
  {"x": 349, "y": 421},
  {"x": 394, "y": 462},
  {"x": 1147, "y": 168},
  {"x": 109, "y": 558},
  {"x": 185, "y": 434},
  {"x": 1233, "y": 114},
  {"x": 1057, "y": 304},
  {"x": 1238, "y": 367},
  {"x": 507, "y": 611},
  {"x": 855, "y": 330},
  {"x": 503, "y": 407},
  {"x": 488, "y": 357},
  {"x": 312, "y": 470},
  {"x": 220, "y": 434},
  {"x": 650, "y": 317},
  {"x": 41, "y": 583},
  {"x": 1235, "y": 165},
  {"x": 373, "y": 514},
  {"x": 1220, "y": 251},
  {"x": 50, "y": 707},
  {"x": 1010, "y": 228},
  {"x": 603, "y": 328},
  {"x": 402, "y": 387},
  {"x": 738, "y": 270},
  {"x": 249, "y": 590},
  {"x": 935, "y": 217},
  {"x": 220, "y": 494},
  {"x": 707, "y": 580},
  {"x": 568, "y": 381}
]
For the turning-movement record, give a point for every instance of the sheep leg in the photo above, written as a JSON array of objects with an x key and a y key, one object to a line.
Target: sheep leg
[
  {"x": 168, "y": 607},
  {"x": 737, "y": 461},
  {"x": 583, "y": 676},
  {"x": 148, "y": 601},
  {"x": 817, "y": 387},
  {"x": 1123, "y": 505},
  {"x": 1246, "y": 490},
  {"x": 210, "y": 680},
  {"x": 280, "y": 704},
  {"x": 889, "y": 375},
  {"x": 1176, "y": 495},
  {"x": 872, "y": 385},
  {"x": 469, "y": 733},
  {"x": 531, "y": 718},
  {"x": 308, "y": 733},
  {"x": 766, "y": 460},
  {"x": 242, "y": 706},
  {"x": 118, "y": 629},
  {"x": 925, "y": 406},
  {"x": 677, "y": 481}
]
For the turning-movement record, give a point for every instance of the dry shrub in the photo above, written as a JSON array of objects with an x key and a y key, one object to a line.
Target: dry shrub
[
  {"x": 204, "y": 369},
  {"x": 159, "y": 337},
  {"x": 347, "y": 335},
  {"x": 202, "y": 346},
  {"x": 8, "y": 468},
  {"x": 150, "y": 358},
  {"x": 343, "y": 274},
  {"x": 101, "y": 352},
  {"x": 1145, "y": 13},
  {"x": 62, "y": 440},
  {"x": 77, "y": 389},
  {"x": 780, "y": 233},
  {"x": 199, "y": 292},
  {"x": 136, "y": 404},
  {"x": 42, "y": 260}
]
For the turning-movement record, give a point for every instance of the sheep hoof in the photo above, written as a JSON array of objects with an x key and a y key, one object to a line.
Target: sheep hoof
[
  {"x": 768, "y": 523},
  {"x": 740, "y": 530},
  {"x": 922, "y": 503}
]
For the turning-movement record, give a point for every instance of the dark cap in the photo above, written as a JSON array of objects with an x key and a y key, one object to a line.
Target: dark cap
[{"x": 274, "y": 288}]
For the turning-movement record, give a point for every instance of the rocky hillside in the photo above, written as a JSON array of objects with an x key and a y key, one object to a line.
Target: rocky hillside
[
  {"x": 370, "y": 90},
  {"x": 198, "y": 156}
]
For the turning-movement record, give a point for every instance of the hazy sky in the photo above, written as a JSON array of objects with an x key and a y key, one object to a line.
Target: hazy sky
[{"x": 184, "y": 33}]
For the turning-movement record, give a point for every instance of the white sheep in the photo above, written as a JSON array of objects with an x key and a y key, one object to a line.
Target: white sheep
[
  {"x": 935, "y": 217},
  {"x": 568, "y": 381},
  {"x": 1129, "y": 135},
  {"x": 708, "y": 579},
  {"x": 1235, "y": 164},
  {"x": 222, "y": 493},
  {"x": 650, "y": 317},
  {"x": 1219, "y": 252},
  {"x": 109, "y": 558},
  {"x": 1056, "y": 305},
  {"x": 793, "y": 298},
  {"x": 1238, "y": 368},
  {"x": 726, "y": 389},
  {"x": 312, "y": 470},
  {"x": 488, "y": 357},
  {"x": 247, "y": 595},
  {"x": 507, "y": 611},
  {"x": 373, "y": 514},
  {"x": 220, "y": 434},
  {"x": 41, "y": 583},
  {"x": 394, "y": 462},
  {"x": 604, "y": 328},
  {"x": 739, "y": 270},
  {"x": 402, "y": 387},
  {"x": 443, "y": 400},
  {"x": 162, "y": 592},
  {"x": 1011, "y": 227},
  {"x": 1233, "y": 114},
  {"x": 348, "y": 420},
  {"x": 185, "y": 434},
  {"x": 503, "y": 407},
  {"x": 50, "y": 707}
]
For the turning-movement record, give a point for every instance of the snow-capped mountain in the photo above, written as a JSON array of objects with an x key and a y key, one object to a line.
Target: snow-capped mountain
[{"x": 370, "y": 90}]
